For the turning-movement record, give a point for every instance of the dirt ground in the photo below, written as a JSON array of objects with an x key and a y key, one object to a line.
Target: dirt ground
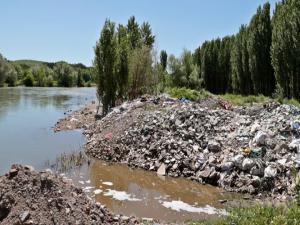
[{"x": 43, "y": 198}]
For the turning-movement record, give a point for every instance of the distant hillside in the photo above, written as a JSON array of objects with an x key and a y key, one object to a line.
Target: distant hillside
[
  {"x": 39, "y": 73},
  {"x": 29, "y": 63}
]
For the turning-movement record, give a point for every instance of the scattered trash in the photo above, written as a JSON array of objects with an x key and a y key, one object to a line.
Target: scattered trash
[
  {"x": 270, "y": 172},
  {"x": 258, "y": 152},
  {"x": 184, "y": 100},
  {"x": 295, "y": 125},
  {"x": 260, "y": 138},
  {"x": 203, "y": 142}
]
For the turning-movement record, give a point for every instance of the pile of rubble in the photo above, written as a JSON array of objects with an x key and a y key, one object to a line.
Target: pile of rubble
[
  {"x": 29, "y": 197},
  {"x": 248, "y": 149}
]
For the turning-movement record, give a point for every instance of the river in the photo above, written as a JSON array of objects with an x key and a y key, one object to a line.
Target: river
[{"x": 27, "y": 117}]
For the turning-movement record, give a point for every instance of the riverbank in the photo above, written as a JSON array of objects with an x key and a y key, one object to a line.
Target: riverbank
[
  {"x": 249, "y": 149},
  {"x": 30, "y": 197}
]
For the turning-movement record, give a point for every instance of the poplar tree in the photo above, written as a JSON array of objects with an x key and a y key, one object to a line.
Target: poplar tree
[
  {"x": 163, "y": 60},
  {"x": 285, "y": 51},
  {"x": 259, "y": 44},
  {"x": 104, "y": 63},
  {"x": 122, "y": 61},
  {"x": 240, "y": 74},
  {"x": 147, "y": 38},
  {"x": 134, "y": 34}
]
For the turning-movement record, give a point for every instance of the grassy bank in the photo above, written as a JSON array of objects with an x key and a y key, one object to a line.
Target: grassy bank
[
  {"x": 232, "y": 98},
  {"x": 258, "y": 215}
]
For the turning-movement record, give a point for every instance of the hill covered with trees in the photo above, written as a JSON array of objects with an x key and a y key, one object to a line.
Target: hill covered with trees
[{"x": 44, "y": 74}]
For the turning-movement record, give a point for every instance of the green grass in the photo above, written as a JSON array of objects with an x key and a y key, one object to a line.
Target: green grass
[
  {"x": 291, "y": 102},
  {"x": 258, "y": 215},
  {"x": 242, "y": 100},
  {"x": 187, "y": 93},
  {"x": 232, "y": 98}
]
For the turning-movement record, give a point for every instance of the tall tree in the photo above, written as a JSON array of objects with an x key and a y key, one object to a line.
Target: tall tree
[
  {"x": 104, "y": 63},
  {"x": 285, "y": 49},
  {"x": 141, "y": 80},
  {"x": 147, "y": 37},
  {"x": 65, "y": 75},
  {"x": 259, "y": 44},
  {"x": 163, "y": 60},
  {"x": 133, "y": 33},
  {"x": 4, "y": 70},
  {"x": 240, "y": 74},
  {"x": 122, "y": 61}
]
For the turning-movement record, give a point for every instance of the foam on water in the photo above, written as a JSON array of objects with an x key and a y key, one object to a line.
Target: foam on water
[
  {"x": 120, "y": 195},
  {"x": 108, "y": 183},
  {"x": 180, "y": 205}
]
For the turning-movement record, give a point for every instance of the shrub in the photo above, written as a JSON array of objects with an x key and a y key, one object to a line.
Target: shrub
[
  {"x": 242, "y": 100},
  {"x": 28, "y": 80},
  {"x": 187, "y": 93}
]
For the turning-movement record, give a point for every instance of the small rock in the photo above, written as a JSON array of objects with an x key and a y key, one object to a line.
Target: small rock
[
  {"x": 248, "y": 164},
  {"x": 227, "y": 166},
  {"x": 214, "y": 146},
  {"x": 24, "y": 216},
  {"x": 260, "y": 138},
  {"x": 270, "y": 172},
  {"x": 161, "y": 170},
  {"x": 222, "y": 201},
  {"x": 13, "y": 173}
]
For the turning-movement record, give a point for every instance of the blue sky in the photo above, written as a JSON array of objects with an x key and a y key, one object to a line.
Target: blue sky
[{"x": 53, "y": 30}]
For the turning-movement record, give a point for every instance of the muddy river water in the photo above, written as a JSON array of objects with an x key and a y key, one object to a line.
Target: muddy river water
[{"x": 27, "y": 116}]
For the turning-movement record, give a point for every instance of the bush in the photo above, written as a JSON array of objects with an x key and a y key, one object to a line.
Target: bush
[
  {"x": 187, "y": 93},
  {"x": 242, "y": 100},
  {"x": 11, "y": 79},
  {"x": 292, "y": 101},
  {"x": 28, "y": 80},
  {"x": 49, "y": 81}
]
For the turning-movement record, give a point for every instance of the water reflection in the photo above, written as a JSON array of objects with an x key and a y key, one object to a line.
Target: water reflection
[
  {"x": 144, "y": 194},
  {"x": 27, "y": 116}
]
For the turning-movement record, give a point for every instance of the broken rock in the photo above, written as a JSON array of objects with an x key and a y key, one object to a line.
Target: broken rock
[
  {"x": 214, "y": 146},
  {"x": 161, "y": 170},
  {"x": 270, "y": 172}
]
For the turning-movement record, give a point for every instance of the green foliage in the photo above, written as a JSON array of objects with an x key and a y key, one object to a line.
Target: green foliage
[
  {"x": 147, "y": 37},
  {"x": 241, "y": 77},
  {"x": 285, "y": 51},
  {"x": 258, "y": 215},
  {"x": 259, "y": 44},
  {"x": 141, "y": 76},
  {"x": 291, "y": 101},
  {"x": 4, "y": 70},
  {"x": 29, "y": 79},
  {"x": 242, "y": 100},
  {"x": 123, "y": 51},
  {"x": 214, "y": 60},
  {"x": 124, "y": 62},
  {"x": 163, "y": 60},
  {"x": 80, "y": 81},
  {"x": 12, "y": 78},
  {"x": 40, "y": 77},
  {"x": 50, "y": 74},
  {"x": 49, "y": 81},
  {"x": 187, "y": 93},
  {"x": 65, "y": 75},
  {"x": 184, "y": 72},
  {"x": 134, "y": 34},
  {"x": 105, "y": 63}
]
